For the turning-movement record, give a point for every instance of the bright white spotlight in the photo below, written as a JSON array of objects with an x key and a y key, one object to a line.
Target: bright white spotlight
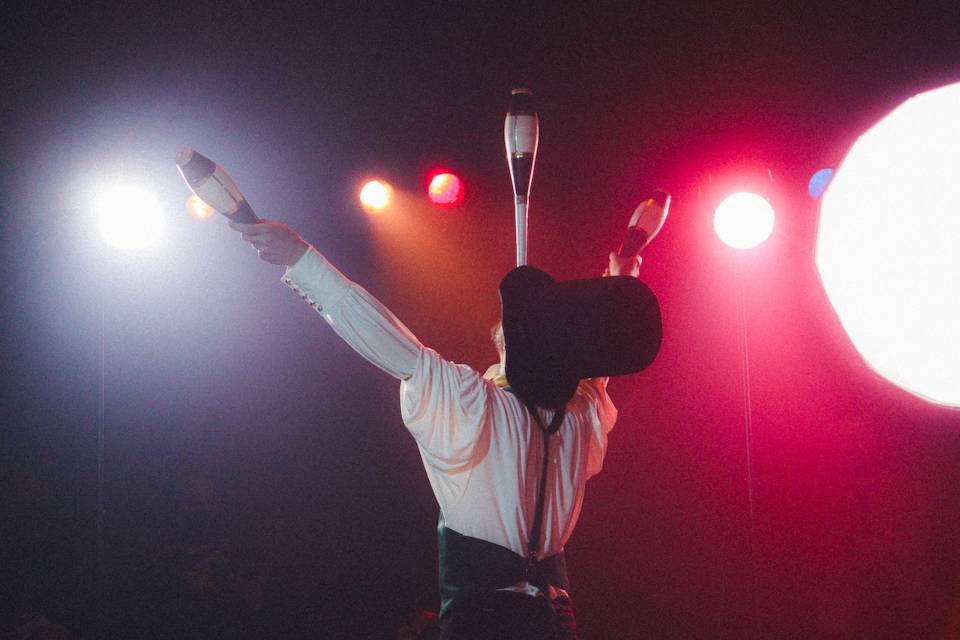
[
  {"x": 130, "y": 218},
  {"x": 887, "y": 245},
  {"x": 743, "y": 220}
]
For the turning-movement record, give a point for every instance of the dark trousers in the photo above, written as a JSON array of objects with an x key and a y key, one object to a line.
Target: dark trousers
[{"x": 507, "y": 615}]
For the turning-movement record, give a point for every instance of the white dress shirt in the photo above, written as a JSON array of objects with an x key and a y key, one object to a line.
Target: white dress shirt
[{"x": 481, "y": 448}]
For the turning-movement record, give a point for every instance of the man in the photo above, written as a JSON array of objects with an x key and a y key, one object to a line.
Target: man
[{"x": 505, "y": 513}]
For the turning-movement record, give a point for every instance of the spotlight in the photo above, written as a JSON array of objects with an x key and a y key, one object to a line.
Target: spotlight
[
  {"x": 130, "y": 218},
  {"x": 376, "y": 196},
  {"x": 743, "y": 220},
  {"x": 445, "y": 189},
  {"x": 887, "y": 245}
]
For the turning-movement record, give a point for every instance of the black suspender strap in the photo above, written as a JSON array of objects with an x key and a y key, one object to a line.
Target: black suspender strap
[{"x": 534, "y": 547}]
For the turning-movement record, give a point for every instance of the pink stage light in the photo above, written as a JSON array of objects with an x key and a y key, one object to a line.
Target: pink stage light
[
  {"x": 887, "y": 245},
  {"x": 445, "y": 189},
  {"x": 743, "y": 220}
]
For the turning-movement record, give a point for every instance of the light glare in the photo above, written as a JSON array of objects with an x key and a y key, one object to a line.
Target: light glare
[
  {"x": 130, "y": 218},
  {"x": 375, "y": 196},
  {"x": 743, "y": 220},
  {"x": 886, "y": 246}
]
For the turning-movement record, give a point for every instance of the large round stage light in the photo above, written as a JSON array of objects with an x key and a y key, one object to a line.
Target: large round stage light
[
  {"x": 130, "y": 218},
  {"x": 445, "y": 189},
  {"x": 887, "y": 245},
  {"x": 376, "y": 196},
  {"x": 743, "y": 220}
]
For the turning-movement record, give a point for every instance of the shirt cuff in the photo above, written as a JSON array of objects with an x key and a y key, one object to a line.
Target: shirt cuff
[{"x": 317, "y": 281}]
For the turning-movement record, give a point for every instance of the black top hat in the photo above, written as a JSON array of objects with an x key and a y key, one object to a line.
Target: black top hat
[{"x": 557, "y": 333}]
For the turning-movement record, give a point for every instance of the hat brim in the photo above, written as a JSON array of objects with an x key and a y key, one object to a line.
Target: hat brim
[{"x": 557, "y": 333}]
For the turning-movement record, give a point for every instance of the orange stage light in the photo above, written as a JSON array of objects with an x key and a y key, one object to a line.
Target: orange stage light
[
  {"x": 376, "y": 196},
  {"x": 198, "y": 209}
]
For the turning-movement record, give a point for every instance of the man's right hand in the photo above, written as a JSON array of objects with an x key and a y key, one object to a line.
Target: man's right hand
[
  {"x": 274, "y": 241},
  {"x": 617, "y": 266}
]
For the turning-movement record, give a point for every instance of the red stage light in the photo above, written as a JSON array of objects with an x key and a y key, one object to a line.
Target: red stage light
[{"x": 445, "y": 189}]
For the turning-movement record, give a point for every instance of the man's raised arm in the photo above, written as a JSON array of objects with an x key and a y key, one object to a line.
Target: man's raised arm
[{"x": 355, "y": 315}]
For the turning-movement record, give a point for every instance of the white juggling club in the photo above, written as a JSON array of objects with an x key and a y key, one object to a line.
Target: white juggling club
[
  {"x": 214, "y": 186},
  {"x": 645, "y": 223},
  {"x": 521, "y": 132}
]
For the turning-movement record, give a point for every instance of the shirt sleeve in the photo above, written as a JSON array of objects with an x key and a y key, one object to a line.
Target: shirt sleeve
[
  {"x": 446, "y": 408},
  {"x": 444, "y": 405},
  {"x": 355, "y": 315},
  {"x": 601, "y": 415}
]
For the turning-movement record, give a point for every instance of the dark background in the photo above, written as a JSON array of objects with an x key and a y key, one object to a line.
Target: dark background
[{"x": 259, "y": 482}]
